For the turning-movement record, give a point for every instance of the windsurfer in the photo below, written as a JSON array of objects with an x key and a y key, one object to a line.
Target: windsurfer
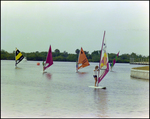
[
  {"x": 95, "y": 74},
  {"x": 77, "y": 66},
  {"x": 43, "y": 65},
  {"x": 110, "y": 67}
]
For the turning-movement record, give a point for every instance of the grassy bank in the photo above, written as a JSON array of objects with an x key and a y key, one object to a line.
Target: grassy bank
[{"x": 142, "y": 68}]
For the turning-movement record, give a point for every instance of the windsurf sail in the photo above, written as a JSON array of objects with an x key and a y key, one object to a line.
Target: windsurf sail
[
  {"x": 49, "y": 59},
  {"x": 18, "y": 57},
  {"x": 114, "y": 61},
  {"x": 25, "y": 59},
  {"x": 82, "y": 59},
  {"x": 103, "y": 64}
]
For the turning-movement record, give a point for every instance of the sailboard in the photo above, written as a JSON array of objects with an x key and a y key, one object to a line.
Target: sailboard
[
  {"x": 114, "y": 61},
  {"x": 49, "y": 59},
  {"x": 103, "y": 63},
  {"x": 25, "y": 59},
  {"x": 97, "y": 87},
  {"x": 18, "y": 57},
  {"x": 82, "y": 60}
]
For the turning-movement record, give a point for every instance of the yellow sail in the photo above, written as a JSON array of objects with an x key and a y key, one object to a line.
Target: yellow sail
[{"x": 18, "y": 57}]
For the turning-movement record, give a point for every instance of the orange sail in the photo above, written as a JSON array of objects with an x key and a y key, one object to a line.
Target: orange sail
[{"x": 82, "y": 59}]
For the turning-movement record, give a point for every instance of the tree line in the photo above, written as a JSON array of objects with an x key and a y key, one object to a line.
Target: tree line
[{"x": 65, "y": 56}]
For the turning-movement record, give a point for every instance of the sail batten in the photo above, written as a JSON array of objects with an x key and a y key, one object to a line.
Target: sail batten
[
  {"x": 82, "y": 59},
  {"x": 103, "y": 64},
  {"x": 49, "y": 59}
]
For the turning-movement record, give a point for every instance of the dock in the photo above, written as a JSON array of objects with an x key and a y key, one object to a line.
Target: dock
[{"x": 140, "y": 63}]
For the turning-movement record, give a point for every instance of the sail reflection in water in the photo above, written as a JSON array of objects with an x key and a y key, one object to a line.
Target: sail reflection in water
[{"x": 48, "y": 75}]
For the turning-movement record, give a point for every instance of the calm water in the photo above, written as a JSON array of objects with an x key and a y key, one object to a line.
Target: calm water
[{"x": 26, "y": 92}]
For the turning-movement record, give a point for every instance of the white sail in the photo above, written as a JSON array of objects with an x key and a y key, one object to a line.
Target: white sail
[{"x": 103, "y": 64}]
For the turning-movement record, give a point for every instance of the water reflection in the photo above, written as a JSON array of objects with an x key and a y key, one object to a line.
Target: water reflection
[
  {"x": 100, "y": 98},
  {"x": 113, "y": 71},
  {"x": 81, "y": 74},
  {"x": 48, "y": 75},
  {"x": 139, "y": 79},
  {"x": 27, "y": 92},
  {"x": 18, "y": 68}
]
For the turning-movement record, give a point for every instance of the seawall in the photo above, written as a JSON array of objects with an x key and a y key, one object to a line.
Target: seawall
[{"x": 142, "y": 74}]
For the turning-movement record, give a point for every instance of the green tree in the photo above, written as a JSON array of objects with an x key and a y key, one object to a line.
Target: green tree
[
  {"x": 57, "y": 52},
  {"x": 86, "y": 52},
  {"x": 96, "y": 52},
  {"x": 77, "y": 51},
  {"x": 4, "y": 54},
  {"x": 59, "y": 58},
  {"x": 95, "y": 56},
  {"x": 72, "y": 57},
  {"x": 65, "y": 54}
]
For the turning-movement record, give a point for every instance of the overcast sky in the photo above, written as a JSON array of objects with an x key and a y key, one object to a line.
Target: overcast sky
[{"x": 69, "y": 25}]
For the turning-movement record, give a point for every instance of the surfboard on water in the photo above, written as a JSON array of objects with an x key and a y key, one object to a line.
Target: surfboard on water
[
  {"x": 44, "y": 71},
  {"x": 97, "y": 87}
]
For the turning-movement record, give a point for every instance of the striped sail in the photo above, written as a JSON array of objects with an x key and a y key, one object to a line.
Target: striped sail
[
  {"x": 18, "y": 57},
  {"x": 82, "y": 59},
  {"x": 103, "y": 64}
]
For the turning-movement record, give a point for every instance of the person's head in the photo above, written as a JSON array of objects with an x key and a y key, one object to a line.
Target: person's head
[{"x": 96, "y": 67}]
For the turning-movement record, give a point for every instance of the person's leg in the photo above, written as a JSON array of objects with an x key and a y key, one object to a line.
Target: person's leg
[{"x": 95, "y": 81}]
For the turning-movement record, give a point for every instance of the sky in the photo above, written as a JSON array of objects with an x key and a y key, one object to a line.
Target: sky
[{"x": 69, "y": 25}]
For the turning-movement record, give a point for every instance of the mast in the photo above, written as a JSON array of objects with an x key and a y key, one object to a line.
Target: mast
[
  {"x": 78, "y": 60},
  {"x": 15, "y": 58},
  {"x": 101, "y": 55}
]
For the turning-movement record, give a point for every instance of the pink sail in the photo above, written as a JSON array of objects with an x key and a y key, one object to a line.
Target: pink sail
[
  {"x": 114, "y": 61},
  {"x": 103, "y": 64},
  {"x": 49, "y": 59}
]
